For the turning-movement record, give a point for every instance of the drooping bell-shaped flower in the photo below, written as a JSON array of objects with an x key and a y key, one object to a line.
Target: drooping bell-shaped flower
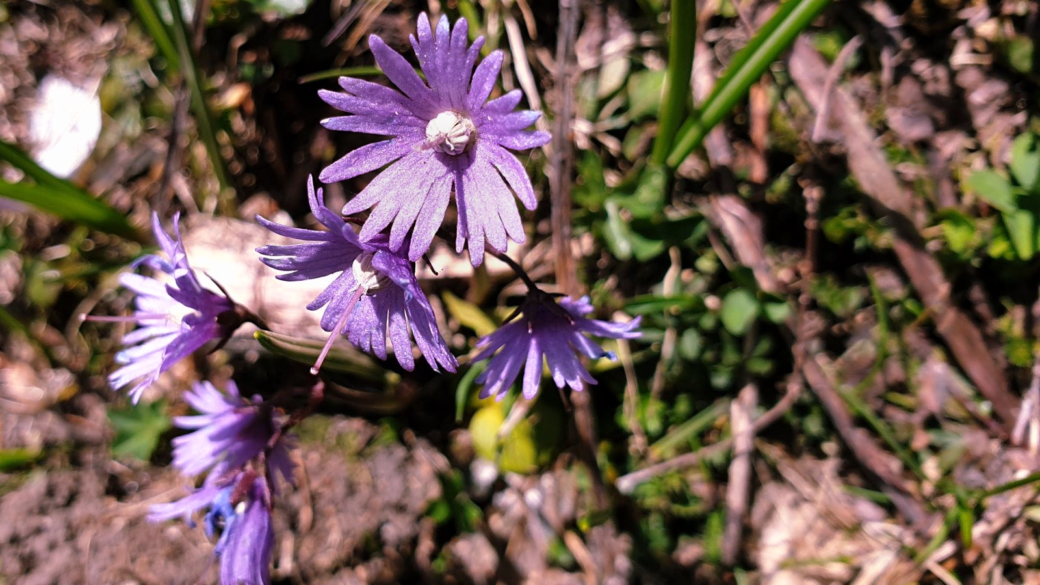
[
  {"x": 228, "y": 430},
  {"x": 374, "y": 293},
  {"x": 239, "y": 516},
  {"x": 174, "y": 318},
  {"x": 546, "y": 330}
]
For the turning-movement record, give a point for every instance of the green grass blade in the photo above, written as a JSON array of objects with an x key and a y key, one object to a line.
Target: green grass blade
[
  {"x": 746, "y": 68},
  {"x": 160, "y": 34},
  {"x": 681, "y": 39},
  {"x": 13, "y": 155},
  {"x": 369, "y": 71},
  {"x": 198, "y": 99},
  {"x": 75, "y": 206}
]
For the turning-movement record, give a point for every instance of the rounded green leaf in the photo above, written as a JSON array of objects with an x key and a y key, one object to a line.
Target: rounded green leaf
[
  {"x": 739, "y": 310},
  {"x": 994, "y": 189}
]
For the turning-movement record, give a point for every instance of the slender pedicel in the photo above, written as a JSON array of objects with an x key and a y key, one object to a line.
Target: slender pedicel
[{"x": 124, "y": 318}]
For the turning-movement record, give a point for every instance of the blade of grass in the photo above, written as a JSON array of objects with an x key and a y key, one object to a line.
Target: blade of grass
[
  {"x": 1011, "y": 485},
  {"x": 746, "y": 68},
  {"x": 852, "y": 395},
  {"x": 13, "y": 155},
  {"x": 198, "y": 99},
  {"x": 159, "y": 32},
  {"x": 76, "y": 206},
  {"x": 369, "y": 71},
  {"x": 694, "y": 426},
  {"x": 682, "y": 37}
]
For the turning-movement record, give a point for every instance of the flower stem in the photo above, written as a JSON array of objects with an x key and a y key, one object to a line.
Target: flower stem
[{"x": 519, "y": 270}]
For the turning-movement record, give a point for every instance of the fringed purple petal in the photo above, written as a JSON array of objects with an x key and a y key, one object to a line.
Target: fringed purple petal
[
  {"x": 397, "y": 327},
  {"x": 533, "y": 370},
  {"x": 427, "y": 337},
  {"x": 246, "y": 545},
  {"x": 430, "y": 216},
  {"x": 523, "y": 140},
  {"x": 499, "y": 106},
  {"x": 400, "y": 72},
  {"x": 509, "y": 123},
  {"x": 369, "y": 158},
  {"x": 408, "y": 179},
  {"x": 513, "y": 172},
  {"x": 484, "y": 80},
  {"x": 184, "y": 507}
]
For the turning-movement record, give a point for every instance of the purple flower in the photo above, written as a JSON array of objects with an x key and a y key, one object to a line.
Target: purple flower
[
  {"x": 239, "y": 510},
  {"x": 231, "y": 430},
  {"x": 174, "y": 319},
  {"x": 545, "y": 328},
  {"x": 445, "y": 134},
  {"x": 376, "y": 290}
]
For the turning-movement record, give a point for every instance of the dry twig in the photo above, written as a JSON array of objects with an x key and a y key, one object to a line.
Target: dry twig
[{"x": 738, "y": 488}]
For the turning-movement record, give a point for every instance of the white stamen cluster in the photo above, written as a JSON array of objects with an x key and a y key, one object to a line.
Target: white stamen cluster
[
  {"x": 450, "y": 132},
  {"x": 367, "y": 277}
]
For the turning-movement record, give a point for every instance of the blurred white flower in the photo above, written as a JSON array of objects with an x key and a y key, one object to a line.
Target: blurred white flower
[{"x": 64, "y": 125}]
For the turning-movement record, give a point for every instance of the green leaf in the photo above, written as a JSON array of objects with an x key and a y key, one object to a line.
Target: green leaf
[
  {"x": 519, "y": 454},
  {"x": 75, "y": 206},
  {"x": 462, "y": 392},
  {"x": 592, "y": 189},
  {"x": 649, "y": 197},
  {"x": 967, "y": 521},
  {"x": 622, "y": 241},
  {"x": 138, "y": 429},
  {"x": 778, "y": 312},
  {"x": 12, "y": 459},
  {"x": 994, "y": 189},
  {"x": 644, "y": 93},
  {"x": 483, "y": 428},
  {"x": 468, "y": 314},
  {"x": 682, "y": 434},
  {"x": 691, "y": 343},
  {"x": 841, "y": 300},
  {"x": 739, "y": 310},
  {"x": 744, "y": 70},
  {"x": 153, "y": 24},
  {"x": 958, "y": 230},
  {"x": 439, "y": 511},
  {"x": 1025, "y": 161},
  {"x": 1021, "y": 227},
  {"x": 13, "y": 155},
  {"x": 193, "y": 77}
]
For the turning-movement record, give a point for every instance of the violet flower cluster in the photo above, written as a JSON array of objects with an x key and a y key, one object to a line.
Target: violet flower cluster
[{"x": 443, "y": 135}]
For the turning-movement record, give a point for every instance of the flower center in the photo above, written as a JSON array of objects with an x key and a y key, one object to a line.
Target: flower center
[
  {"x": 367, "y": 277},
  {"x": 450, "y": 132}
]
